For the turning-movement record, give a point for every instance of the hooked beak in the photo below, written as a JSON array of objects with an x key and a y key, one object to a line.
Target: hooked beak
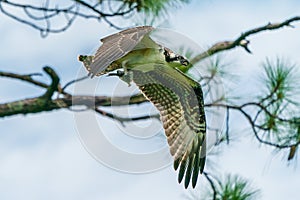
[
  {"x": 170, "y": 56},
  {"x": 183, "y": 60}
]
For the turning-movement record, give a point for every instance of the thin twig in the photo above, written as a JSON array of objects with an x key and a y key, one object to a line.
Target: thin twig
[
  {"x": 227, "y": 125},
  {"x": 125, "y": 119},
  {"x": 50, "y": 14},
  {"x": 28, "y": 78},
  {"x": 212, "y": 185},
  {"x": 75, "y": 81}
]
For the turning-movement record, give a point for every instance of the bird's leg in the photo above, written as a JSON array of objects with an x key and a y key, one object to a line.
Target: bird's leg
[
  {"x": 127, "y": 78},
  {"x": 124, "y": 67}
]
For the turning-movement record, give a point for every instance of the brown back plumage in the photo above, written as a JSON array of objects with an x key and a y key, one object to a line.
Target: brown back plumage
[{"x": 116, "y": 46}]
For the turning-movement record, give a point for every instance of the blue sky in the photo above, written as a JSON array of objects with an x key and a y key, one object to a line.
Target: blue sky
[{"x": 42, "y": 156}]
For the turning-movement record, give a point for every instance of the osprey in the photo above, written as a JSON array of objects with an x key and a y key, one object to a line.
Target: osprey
[{"x": 160, "y": 75}]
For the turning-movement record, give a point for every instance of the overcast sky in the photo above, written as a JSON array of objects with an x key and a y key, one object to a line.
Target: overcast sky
[{"x": 42, "y": 156}]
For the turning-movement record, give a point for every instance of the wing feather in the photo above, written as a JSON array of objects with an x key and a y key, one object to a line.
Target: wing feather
[
  {"x": 116, "y": 46},
  {"x": 190, "y": 167},
  {"x": 180, "y": 102}
]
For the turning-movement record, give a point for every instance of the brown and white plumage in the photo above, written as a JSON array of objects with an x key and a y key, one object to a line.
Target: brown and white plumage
[{"x": 178, "y": 98}]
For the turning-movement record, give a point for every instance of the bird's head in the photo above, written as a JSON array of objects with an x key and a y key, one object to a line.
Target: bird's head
[{"x": 176, "y": 60}]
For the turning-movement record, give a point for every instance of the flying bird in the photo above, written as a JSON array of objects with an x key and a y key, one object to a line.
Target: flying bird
[{"x": 160, "y": 75}]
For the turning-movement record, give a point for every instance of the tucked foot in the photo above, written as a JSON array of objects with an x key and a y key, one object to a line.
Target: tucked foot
[
  {"x": 126, "y": 77},
  {"x": 119, "y": 73}
]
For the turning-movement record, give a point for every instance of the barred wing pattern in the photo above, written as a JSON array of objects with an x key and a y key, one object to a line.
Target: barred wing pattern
[
  {"x": 116, "y": 46},
  {"x": 179, "y": 100}
]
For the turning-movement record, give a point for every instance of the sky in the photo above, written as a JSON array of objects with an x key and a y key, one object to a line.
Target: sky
[{"x": 45, "y": 156}]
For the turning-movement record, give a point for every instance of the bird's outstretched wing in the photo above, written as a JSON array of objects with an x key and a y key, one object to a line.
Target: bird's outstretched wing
[
  {"x": 179, "y": 100},
  {"x": 116, "y": 46}
]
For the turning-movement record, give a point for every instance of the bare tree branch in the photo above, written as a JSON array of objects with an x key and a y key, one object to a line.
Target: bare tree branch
[
  {"x": 46, "y": 102},
  {"x": 36, "y": 104},
  {"x": 254, "y": 126},
  {"x": 242, "y": 39},
  {"x": 39, "y": 104},
  {"x": 54, "y": 84},
  {"x": 43, "y": 18},
  {"x": 46, "y": 14}
]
